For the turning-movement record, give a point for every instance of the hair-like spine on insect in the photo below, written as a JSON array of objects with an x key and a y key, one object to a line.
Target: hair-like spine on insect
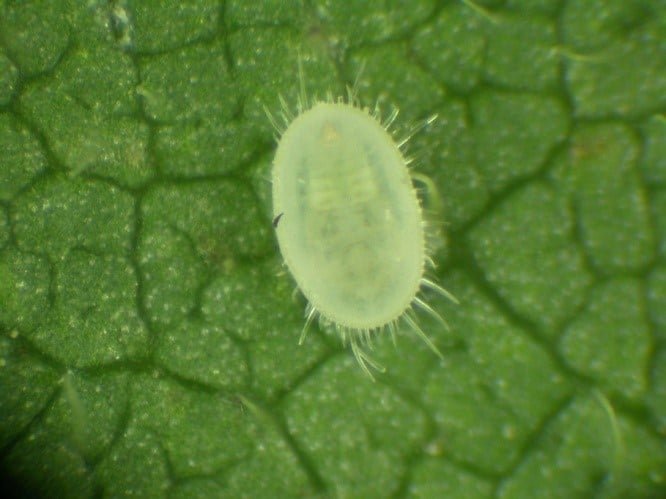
[{"x": 360, "y": 339}]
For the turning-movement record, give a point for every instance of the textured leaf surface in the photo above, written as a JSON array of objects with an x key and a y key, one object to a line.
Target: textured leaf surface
[{"x": 148, "y": 338}]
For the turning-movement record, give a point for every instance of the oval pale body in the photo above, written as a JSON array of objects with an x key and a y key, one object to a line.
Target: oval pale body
[{"x": 351, "y": 228}]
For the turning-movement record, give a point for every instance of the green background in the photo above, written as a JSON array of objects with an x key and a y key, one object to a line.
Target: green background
[{"x": 148, "y": 336}]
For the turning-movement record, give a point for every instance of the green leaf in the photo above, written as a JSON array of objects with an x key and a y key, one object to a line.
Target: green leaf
[{"x": 149, "y": 333}]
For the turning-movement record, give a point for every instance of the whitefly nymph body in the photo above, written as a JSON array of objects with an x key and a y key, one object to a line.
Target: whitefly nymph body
[{"x": 349, "y": 224}]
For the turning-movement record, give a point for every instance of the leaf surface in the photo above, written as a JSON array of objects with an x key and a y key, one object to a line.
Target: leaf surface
[{"x": 148, "y": 338}]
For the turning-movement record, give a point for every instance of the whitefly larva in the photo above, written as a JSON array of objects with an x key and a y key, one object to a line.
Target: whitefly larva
[{"x": 351, "y": 229}]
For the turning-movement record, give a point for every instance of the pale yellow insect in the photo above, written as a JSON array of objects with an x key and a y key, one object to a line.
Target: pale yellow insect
[{"x": 349, "y": 223}]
